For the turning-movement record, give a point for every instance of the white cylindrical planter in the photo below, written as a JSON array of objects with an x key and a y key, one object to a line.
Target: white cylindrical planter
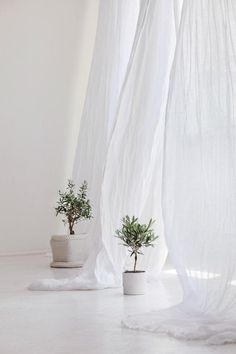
[
  {"x": 66, "y": 251},
  {"x": 134, "y": 283}
]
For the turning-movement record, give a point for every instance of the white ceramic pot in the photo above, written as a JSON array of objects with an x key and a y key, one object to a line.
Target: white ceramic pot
[
  {"x": 66, "y": 251},
  {"x": 134, "y": 283}
]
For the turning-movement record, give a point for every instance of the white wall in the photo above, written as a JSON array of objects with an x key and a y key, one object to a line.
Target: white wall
[{"x": 46, "y": 48}]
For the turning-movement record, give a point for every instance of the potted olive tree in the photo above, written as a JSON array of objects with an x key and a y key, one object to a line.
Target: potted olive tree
[
  {"x": 73, "y": 207},
  {"x": 135, "y": 236}
]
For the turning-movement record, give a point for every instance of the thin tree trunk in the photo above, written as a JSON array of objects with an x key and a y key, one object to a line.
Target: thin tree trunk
[
  {"x": 71, "y": 229},
  {"x": 135, "y": 261}
]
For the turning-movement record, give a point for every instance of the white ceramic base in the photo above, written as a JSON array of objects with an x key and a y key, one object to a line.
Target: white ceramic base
[
  {"x": 66, "y": 265},
  {"x": 66, "y": 251},
  {"x": 134, "y": 283}
]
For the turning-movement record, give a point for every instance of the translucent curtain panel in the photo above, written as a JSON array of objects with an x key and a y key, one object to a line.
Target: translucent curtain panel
[
  {"x": 199, "y": 180},
  {"x": 121, "y": 138},
  {"x": 117, "y": 21},
  {"x": 114, "y": 40},
  {"x": 133, "y": 173}
]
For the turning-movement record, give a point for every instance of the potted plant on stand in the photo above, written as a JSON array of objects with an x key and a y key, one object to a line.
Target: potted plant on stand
[
  {"x": 135, "y": 236},
  {"x": 74, "y": 207}
]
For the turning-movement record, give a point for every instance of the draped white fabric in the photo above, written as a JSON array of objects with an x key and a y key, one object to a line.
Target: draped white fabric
[
  {"x": 199, "y": 199},
  {"x": 120, "y": 152},
  {"x": 133, "y": 173},
  {"x": 124, "y": 174},
  {"x": 116, "y": 28}
]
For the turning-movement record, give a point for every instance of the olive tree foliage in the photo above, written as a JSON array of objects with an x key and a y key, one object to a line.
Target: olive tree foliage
[
  {"x": 135, "y": 236},
  {"x": 74, "y": 206}
]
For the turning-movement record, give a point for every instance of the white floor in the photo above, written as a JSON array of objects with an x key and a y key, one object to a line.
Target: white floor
[{"x": 80, "y": 322}]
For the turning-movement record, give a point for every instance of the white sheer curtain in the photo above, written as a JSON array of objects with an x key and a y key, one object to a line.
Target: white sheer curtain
[
  {"x": 124, "y": 148},
  {"x": 124, "y": 174},
  {"x": 116, "y": 28},
  {"x": 117, "y": 21},
  {"x": 133, "y": 173},
  {"x": 199, "y": 180},
  {"x": 121, "y": 136}
]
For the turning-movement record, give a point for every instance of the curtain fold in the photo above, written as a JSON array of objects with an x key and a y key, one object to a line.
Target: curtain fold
[
  {"x": 120, "y": 144},
  {"x": 199, "y": 199},
  {"x": 116, "y": 27},
  {"x": 133, "y": 174}
]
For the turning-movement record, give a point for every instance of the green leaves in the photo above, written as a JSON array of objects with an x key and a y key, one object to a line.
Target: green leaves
[
  {"x": 135, "y": 235},
  {"x": 74, "y": 206}
]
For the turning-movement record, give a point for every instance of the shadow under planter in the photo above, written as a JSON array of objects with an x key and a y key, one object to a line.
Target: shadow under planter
[{"x": 66, "y": 251}]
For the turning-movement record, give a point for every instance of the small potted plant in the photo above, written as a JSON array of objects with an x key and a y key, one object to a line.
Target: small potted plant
[
  {"x": 74, "y": 207},
  {"x": 135, "y": 236}
]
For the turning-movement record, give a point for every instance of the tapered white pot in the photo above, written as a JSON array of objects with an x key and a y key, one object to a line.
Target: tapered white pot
[
  {"x": 134, "y": 283},
  {"x": 66, "y": 251}
]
